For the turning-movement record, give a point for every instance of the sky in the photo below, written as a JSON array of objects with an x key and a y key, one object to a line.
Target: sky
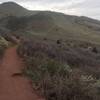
[{"x": 89, "y": 8}]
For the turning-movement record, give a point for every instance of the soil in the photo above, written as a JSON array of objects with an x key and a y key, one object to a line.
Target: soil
[{"x": 17, "y": 87}]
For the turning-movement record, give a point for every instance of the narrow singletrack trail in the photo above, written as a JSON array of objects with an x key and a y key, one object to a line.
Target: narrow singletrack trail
[{"x": 14, "y": 87}]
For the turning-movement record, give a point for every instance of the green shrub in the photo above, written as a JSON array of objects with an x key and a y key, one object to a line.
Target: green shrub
[
  {"x": 53, "y": 67},
  {"x": 44, "y": 66},
  {"x": 3, "y": 45}
]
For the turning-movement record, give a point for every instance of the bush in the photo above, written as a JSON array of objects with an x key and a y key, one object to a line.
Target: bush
[
  {"x": 44, "y": 66},
  {"x": 3, "y": 45},
  {"x": 59, "y": 88},
  {"x": 52, "y": 70},
  {"x": 59, "y": 82}
]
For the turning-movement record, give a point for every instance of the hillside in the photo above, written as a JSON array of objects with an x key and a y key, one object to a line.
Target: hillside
[
  {"x": 48, "y": 24},
  {"x": 13, "y": 9}
]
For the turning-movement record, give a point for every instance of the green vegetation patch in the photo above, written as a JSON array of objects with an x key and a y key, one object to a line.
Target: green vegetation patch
[{"x": 3, "y": 45}]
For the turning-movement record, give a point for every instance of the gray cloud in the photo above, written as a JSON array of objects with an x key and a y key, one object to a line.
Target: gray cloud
[{"x": 90, "y": 8}]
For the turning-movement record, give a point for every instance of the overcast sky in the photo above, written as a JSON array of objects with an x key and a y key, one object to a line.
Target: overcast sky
[{"x": 90, "y": 8}]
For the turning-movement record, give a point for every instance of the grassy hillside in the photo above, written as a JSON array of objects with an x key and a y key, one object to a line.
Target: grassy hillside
[
  {"x": 13, "y": 9},
  {"x": 48, "y": 24}
]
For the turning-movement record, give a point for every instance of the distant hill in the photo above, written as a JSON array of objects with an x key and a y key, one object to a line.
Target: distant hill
[
  {"x": 13, "y": 9},
  {"x": 48, "y": 24}
]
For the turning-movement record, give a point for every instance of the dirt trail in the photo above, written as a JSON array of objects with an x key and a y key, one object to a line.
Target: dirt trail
[{"x": 17, "y": 87}]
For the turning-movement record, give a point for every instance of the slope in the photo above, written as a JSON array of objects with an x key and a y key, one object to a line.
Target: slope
[
  {"x": 13, "y": 9},
  {"x": 49, "y": 24}
]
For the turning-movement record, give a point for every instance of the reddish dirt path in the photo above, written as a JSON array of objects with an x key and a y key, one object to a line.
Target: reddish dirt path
[{"x": 17, "y": 87}]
